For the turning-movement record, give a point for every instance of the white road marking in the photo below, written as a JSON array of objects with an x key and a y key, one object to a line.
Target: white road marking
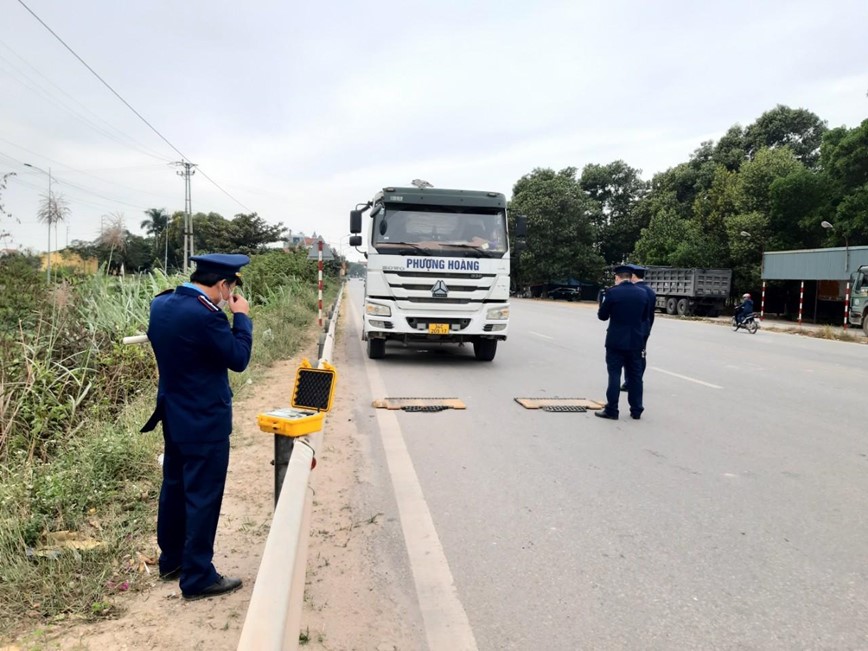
[
  {"x": 444, "y": 618},
  {"x": 539, "y": 334},
  {"x": 684, "y": 377}
]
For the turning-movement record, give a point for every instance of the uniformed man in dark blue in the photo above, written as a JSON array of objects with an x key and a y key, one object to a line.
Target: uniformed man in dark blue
[
  {"x": 626, "y": 308},
  {"x": 195, "y": 347},
  {"x": 638, "y": 279}
]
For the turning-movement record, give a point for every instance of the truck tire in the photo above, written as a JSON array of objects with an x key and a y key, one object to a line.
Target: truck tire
[
  {"x": 683, "y": 307},
  {"x": 484, "y": 349},
  {"x": 671, "y": 305},
  {"x": 376, "y": 348}
]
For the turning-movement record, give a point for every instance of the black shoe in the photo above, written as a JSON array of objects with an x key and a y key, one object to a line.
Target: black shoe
[
  {"x": 624, "y": 387},
  {"x": 171, "y": 575},
  {"x": 602, "y": 413},
  {"x": 223, "y": 585},
  {"x": 636, "y": 416}
]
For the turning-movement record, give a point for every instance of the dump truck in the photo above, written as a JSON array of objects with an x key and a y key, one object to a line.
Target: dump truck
[
  {"x": 437, "y": 268},
  {"x": 858, "y": 314},
  {"x": 687, "y": 291}
]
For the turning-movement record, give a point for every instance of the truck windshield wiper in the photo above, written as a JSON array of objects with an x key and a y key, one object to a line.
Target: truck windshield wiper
[
  {"x": 472, "y": 247},
  {"x": 415, "y": 247}
]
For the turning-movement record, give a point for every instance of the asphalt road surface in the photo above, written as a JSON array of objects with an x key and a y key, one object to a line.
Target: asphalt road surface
[{"x": 733, "y": 515}]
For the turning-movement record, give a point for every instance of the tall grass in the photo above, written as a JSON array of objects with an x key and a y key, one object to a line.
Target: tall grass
[{"x": 72, "y": 399}]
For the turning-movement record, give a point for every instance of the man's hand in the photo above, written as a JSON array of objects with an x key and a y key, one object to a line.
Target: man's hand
[{"x": 238, "y": 304}]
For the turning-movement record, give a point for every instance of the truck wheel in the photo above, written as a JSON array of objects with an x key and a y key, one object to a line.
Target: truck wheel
[
  {"x": 484, "y": 349},
  {"x": 376, "y": 348},
  {"x": 671, "y": 305},
  {"x": 683, "y": 307}
]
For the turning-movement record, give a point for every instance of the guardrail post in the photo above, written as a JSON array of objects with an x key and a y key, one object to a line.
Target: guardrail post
[{"x": 282, "y": 454}]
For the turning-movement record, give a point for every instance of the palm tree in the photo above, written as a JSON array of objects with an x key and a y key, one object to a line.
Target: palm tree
[
  {"x": 54, "y": 208},
  {"x": 157, "y": 224}
]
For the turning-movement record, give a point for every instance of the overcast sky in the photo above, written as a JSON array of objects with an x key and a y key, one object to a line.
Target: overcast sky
[{"x": 298, "y": 111}]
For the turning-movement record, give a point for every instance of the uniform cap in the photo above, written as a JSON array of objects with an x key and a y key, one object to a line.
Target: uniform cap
[
  {"x": 637, "y": 267},
  {"x": 225, "y": 265},
  {"x": 623, "y": 269}
]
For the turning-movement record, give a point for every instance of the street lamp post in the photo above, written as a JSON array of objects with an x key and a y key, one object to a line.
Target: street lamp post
[{"x": 827, "y": 226}]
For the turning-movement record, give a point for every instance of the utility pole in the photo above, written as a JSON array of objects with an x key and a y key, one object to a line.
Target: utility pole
[{"x": 187, "y": 172}]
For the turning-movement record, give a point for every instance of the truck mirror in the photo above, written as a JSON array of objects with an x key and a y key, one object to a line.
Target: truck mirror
[
  {"x": 355, "y": 221},
  {"x": 521, "y": 226},
  {"x": 356, "y": 240}
]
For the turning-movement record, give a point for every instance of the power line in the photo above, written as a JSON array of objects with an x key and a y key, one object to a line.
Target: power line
[
  {"x": 224, "y": 191},
  {"x": 125, "y": 102},
  {"x": 33, "y": 85},
  {"x": 104, "y": 82}
]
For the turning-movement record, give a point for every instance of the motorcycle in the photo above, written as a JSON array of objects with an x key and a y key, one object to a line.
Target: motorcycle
[{"x": 749, "y": 323}]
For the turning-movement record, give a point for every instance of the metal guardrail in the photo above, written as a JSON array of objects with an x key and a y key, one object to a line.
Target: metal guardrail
[{"x": 273, "y": 621}]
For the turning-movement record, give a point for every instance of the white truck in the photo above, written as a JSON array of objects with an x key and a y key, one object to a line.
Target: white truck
[{"x": 437, "y": 268}]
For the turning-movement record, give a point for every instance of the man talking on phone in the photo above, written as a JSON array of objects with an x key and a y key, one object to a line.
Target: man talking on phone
[{"x": 195, "y": 347}]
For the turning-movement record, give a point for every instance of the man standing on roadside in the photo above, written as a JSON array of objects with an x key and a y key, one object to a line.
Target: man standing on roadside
[
  {"x": 638, "y": 279},
  {"x": 626, "y": 307},
  {"x": 195, "y": 348}
]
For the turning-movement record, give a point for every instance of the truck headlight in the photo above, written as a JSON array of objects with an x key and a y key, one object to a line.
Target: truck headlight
[
  {"x": 378, "y": 310},
  {"x": 497, "y": 314},
  {"x": 856, "y": 302}
]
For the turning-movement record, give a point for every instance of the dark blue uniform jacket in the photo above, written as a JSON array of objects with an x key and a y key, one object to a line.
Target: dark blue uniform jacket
[
  {"x": 627, "y": 309},
  {"x": 652, "y": 296},
  {"x": 194, "y": 345}
]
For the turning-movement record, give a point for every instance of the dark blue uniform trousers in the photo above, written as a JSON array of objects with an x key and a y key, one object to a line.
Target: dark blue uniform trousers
[
  {"x": 194, "y": 475},
  {"x": 631, "y": 362}
]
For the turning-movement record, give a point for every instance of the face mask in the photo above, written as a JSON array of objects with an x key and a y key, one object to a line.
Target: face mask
[{"x": 223, "y": 302}]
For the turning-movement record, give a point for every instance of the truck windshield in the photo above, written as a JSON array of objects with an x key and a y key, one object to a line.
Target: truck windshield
[
  {"x": 440, "y": 231},
  {"x": 858, "y": 283}
]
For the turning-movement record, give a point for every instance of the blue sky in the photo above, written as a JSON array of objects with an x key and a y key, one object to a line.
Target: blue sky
[{"x": 300, "y": 111}]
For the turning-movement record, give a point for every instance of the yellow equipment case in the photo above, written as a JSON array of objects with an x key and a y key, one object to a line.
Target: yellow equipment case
[{"x": 312, "y": 397}]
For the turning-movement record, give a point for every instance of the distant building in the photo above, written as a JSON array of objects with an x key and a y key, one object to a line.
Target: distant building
[{"x": 69, "y": 260}]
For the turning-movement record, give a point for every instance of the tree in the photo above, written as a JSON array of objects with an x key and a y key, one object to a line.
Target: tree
[
  {"x": 52, "y": 210},
  {"x": 731, "y": 150},
  {"x": 617, "y": 188},
  {"x": 797, "y": 129},
  {"x": 561, "y": 235},
  {"x": 250, "y": 233},
  {"x": 3, "y": 181},
  {"x": 156, "y": 225}
]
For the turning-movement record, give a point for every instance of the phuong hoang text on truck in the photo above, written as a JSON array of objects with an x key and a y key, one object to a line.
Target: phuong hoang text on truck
[{"x": 437, "y": 268}]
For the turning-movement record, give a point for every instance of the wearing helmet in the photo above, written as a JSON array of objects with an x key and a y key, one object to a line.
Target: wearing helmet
[{"x": 745, "y": 295}]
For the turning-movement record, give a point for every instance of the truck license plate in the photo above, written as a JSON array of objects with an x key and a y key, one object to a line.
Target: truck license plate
[{"x": 438, "y": 328}]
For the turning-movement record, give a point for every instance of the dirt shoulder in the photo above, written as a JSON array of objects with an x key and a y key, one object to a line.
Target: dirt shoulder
[{"x": 345, "y": 607}]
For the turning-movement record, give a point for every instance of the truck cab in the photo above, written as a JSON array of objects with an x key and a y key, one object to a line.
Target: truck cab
[
  {"x": 858, "y": 314},
  {"x": 438, "y": 265}
]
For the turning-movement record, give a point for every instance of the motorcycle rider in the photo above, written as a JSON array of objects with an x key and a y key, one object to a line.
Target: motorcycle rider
[{"x": 745, "y": 308}]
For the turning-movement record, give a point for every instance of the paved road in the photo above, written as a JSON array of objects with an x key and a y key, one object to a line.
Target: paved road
[{"x": 731, "y": 516}]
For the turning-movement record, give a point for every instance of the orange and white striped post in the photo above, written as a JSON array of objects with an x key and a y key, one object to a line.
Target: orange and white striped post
[
  {"x": 763, "y": 302},
  {"x": 801, "y": 300},
  {"x": 319, "y": 282},
  {"x": 847, "y": 306}
]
